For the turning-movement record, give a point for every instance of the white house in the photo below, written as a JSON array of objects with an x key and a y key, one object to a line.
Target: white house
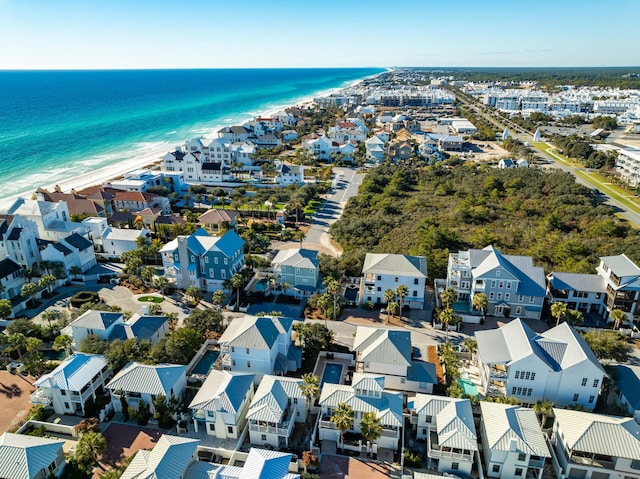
[
  {"x": 169, "y": 458},
  {"x": 52, "y": 219},
  {"x": 289, "y": 175},
  {"x": 556, "y": 365},
  {"x": 30, "y": 457},
  {"x": 110, "y": 241},
  {"x": 258, "y": 463},
  {"x": 447, "y": 425},
  {"x": 582, "y": 292},
  {"x": 260, "y": 345},
  {"x": 381, "y": 272},
  {"x": 277, "y": 405},
  {"x": 73, "y": 250},
  {"x": 366, "y": 394},
  {"x": 143, "y": 382},
  {"x": 75, "y": 381},
  {"x": 11, "y": 278},
  {"x": 221, "y": 403},
  {"x": 622, "y": 277},
  {"x": 138, "y": 180},
  {"x": 389, "y": 352},
  {"x": 321, "y": 147},
  {"x": 595, "y": 446},
  {"x": 19, "y": 240},
  {"x": 513, "y": 444}
]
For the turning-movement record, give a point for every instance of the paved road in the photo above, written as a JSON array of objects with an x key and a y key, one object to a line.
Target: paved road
[{"x": 345, "y": 185}]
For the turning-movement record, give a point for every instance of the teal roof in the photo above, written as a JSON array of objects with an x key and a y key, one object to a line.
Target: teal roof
[
  {"x": 229, "y": 387},
  {"x": 422, "y": 372},
  {"x": 167, "y": 460},
  {"x": 74, "y": 373},
  {"x": 148, "y": 379},
  {"x": 627, "y": 380},
  {"x": 23, "y": 457}
]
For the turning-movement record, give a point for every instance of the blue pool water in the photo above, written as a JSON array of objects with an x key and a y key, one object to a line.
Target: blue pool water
[
  {"x": 332, "y": 373},
  {"x": 206, "y": 363},
  {"x": 468, "y": 387},
  {"x": 260, "y": 285}
]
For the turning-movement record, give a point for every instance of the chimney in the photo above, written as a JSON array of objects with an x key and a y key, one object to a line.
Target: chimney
[{"x": 513, "y": 445}]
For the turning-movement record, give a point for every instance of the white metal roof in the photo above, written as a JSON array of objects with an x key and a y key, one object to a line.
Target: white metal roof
[
  {"x": 23, "y": 457},
  {"x": 167, "y": 460},
  {"x": 74, "y": 373},
  {"x": 148, "y": 379}
]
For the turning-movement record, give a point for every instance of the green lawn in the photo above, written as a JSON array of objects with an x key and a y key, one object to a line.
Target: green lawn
[{"x": 151, "y": 299}]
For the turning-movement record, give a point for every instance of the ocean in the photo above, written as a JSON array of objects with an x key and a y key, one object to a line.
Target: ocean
[{"x": 56, "y": 125}]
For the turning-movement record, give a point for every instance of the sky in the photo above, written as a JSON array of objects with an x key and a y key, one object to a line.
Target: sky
[{"x": 113, "y": 34}]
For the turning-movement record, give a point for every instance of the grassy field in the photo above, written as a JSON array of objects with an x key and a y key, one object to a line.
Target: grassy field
[{"x": 151, "y": 299}]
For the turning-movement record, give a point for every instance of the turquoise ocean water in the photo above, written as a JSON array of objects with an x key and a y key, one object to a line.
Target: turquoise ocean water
[{"x": 55, "y": 125}]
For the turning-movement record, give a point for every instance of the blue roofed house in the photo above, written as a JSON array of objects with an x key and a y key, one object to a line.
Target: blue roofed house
[
  {"x": 389, "y": 352},
  {"x": 29, "y": 457},
  {"x": 221, "y": 403},
  {"x": 626, "y": 390},
  {"x": 277, "y": 405},
  {"x": 300, "y": 269},
  {"x": 447, "y": 425},
  {"x": 143, "y": 382},
  {"x": 73, "y": 250},
  {"x": 79, "y": 378},
  {"x": 513, "y": 285},
  {"x": 582, "y": 292},
  {"x": 258, "y": 463},
  {"x": 107, "y": 325},
  {"x": 169, "y": 459},
  {"x": 366, "y": 394},
  {"x": 260, "y": 345},
  {"x": 203, "y": 260},
  {"x": 556, "y": 365}
]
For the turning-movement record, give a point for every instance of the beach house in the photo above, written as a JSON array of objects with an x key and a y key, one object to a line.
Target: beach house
[
  {"x": 53, "y": 220},
  {"x": 19, "y": 240},
  {"x": 30, "y": 457},
  {"x": 169, "y": 458},
  {"x": 11, "y": 278},
  {"x": 298, "y": 268},
  {"x": 72, "y": 251}
]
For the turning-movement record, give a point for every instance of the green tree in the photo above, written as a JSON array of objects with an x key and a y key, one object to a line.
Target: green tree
[
  {"x": 402, "y": 292},
  {"x": 559, "y": 312},
  {"x": 75, "y": 271},
  {"x": 161, "y": 283},
  {"x": 147, "y": 274},
  {"x": 90, "y": 448},
  {"x": 448, "y": 297},
  {"x": 342, "y": 417},
  {"x": 194, "y": 293},
  {"x": 50, "y": 316},
  {"x": 30, "y": 290},
  {"x": 182, "y": 344},
  {"x": 205, "y": 321},
  {"x": 124, "y": 405},
  {"x": 237, "y": 282},
  {"x": 392, "y": 308},
  {"x": 544, "y": 409},
  {"x": 17, "y": 342},
  {"x": 608, "y": 345},
  {"x": 63, "y": 343},
  {"x": 446, "y": 316},
  {"x": 47, "y": 282},
  {"x": 370, "y": 427},
  {"x": 218, "y": 298},
  {"x": 5, "y": 309},
  {"x": 480, "y": 302},
  {"x": 333, "y": 288},
  {"x": 309, "y": 387},
  {"x": 470, "y": 345},
  {"x": 617, "y": 316}
]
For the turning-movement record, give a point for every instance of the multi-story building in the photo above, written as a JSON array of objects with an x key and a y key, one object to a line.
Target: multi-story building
[
  {"x": 78, "y": 379},
  {"x": 513, "y": 445},
  {"x": 447, "y": 425},
  {"x": 557, "y": 365},
  {"x": 19, "y": 240},
  {"x": 300, "y": 269},
  {"x": 582, "y": 292},
  {"x": 595, "y": 446},
  {"x": 622, "y": 277},
  {"x": 203, "y": 260},
  {"x": 381, "y": 272},
  {"x": 11, "y": 279},
  {"x": 513, "y": 285}
]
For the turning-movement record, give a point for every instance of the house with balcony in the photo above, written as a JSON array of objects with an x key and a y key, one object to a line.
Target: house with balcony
[
  {"x": 107, "y": 325},
  {"x": 73, "y": 250},
  {"x": 19, "y": 240},
  {"x": 300, "y": 269},
  {"x": 11, "y": 279},
  {"x": 203, "y": 260},
  {"x": 513, "y": 285},
  {"x": 557, "y": 365},
  {"x": 626, "y": 390},
  {"x": 144, "y": 382},
  {"x": 30, "y": 457},
  {"x": 169, "y": 458},
  {"x": 389, "y": 352},
  {"x": 581, "y": 292},
  {"x": 622, "y": 277},
  {"x": 513, "y": 444},
  {"x": 595, "y": 446},
  {"x": 447, "y": 426},
  {"x": 366, "y": 394},
  {"x": 276, "y": 406},
  {"x": 221, "y": 403},
  {"x": 257, "y": 463},
  {"x": 79, "y": 378},
  {"x": 381, "y": 272}
]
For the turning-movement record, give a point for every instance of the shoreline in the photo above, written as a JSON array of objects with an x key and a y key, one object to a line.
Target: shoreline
[{"x": 118, "y": 168}]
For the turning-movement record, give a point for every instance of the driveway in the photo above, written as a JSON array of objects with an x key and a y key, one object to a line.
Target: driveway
[{"x": 14, "y": 399}]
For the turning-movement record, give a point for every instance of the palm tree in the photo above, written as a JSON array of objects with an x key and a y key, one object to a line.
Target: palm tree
[
  {"x": 47, "y": 281},
  {"x": 470, "y": 345},
  {"x": 448, "y": 297},
  {"x": 147, "y": 274},
  {"x": 63, "y": 343},
  {"x": 161, "y": 283},
  {"x": 543, "y": 408},
  {"x": 402, "y": 292},
  {"x": 480, "y": 302},
  {"x": 90, "y": 448},
  {"x": 333, "y": 288},
  {"x": 237, "y": 283},
  {"x": 447, "y": 317},
  {"x": 29, "y": 290},
  {"x": 370, "y": 427},
  {"x": 617, "y": 315},
  {"x": 194, "y": 293},
  {"x": 75, "y": 271},
  {"x": 299, "y": 235},
  {"x": 323, "y": 303},
  {"x": 310, "y": 386},
  {"x": 218, "y": 297},
  {"x": 389, "y": 296},
  {"x": 558, "y": 311},
  {"x": 342, "y": 417},
  {"x": 392, "y": 309}
]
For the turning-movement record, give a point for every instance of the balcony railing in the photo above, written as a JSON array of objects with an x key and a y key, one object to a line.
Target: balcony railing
[
  {"x": 226, "y": 360},
  {"x": 327, "y": 425},
  {"x": 438, "y": 453},
  {"x": 498, "y": 374},
  {"x": 38, "y": 397},
  {"x": 536, "y": 463},
  {"x": 389, "y": 433}
]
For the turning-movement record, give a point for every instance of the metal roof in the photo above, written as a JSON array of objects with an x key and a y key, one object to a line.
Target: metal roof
[
  {"x": 531, "y": 279},
  {"x": 627, "y": 379},
  {"x": 100, "y": 320},
  {"x": 621, "y": 265},
  {"x": 387, "y": 346},
  {"x": 422, "y": 372},
  {"x": 265, "y": 464},
  {"x": 148, "y": 379},
  {"x": 298, "y": 258},
  {"x": 272, "y": 398},
  {"x": 252, "y": 332},
  {"x": 504, "y": 423},
  {"x": 599, "y": 434},
  {"x": 395, "y": 264},
  {"x": 455, "y": 426},
  {"x": 74, "y": 373},
  {"x": 23, "y": 457},
  {"x": 593, "y": 283},
  {"x": 427, "y": 404},
  {"x": 168, "y": 459},
  {"x": 229, "y": 387}
]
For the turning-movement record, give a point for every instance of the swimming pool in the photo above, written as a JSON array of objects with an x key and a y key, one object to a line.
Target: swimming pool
[
  {"x": 206, "y": 362},
  {"x": 468, "y": 387},
  {"x": 332, "y": 373},
  {"x": 261, "y": 285}
]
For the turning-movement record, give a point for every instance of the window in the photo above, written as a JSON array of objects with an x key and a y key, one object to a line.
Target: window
[
  {"x": 584, "y": 381},
  {"x": 513, "y": 391},
  {"x": 496, "y": 468},
  {"x": 206, "y": 259},
  {"x": 508, "y": 284},
  {"x": 295, "y": 400},
  {"x": 379, "y": 288},
  {"x": 415, "y": 294},
  {"x": 211, "y": 273},
  {"x": 63, "y": 392},
  {"x": 499, "y": 296},
  {"x": 248, "y": 350},
  {"x": 233, "y": 362},
  {"x": 248, "y": 364},
  {"x": 212, "y": 426},
  {"x": 415, "y": 281},
  {"x": 518, "y": 471},
  {"x": 264, "y": 437},
  {"x": 193, "y": 259},
  {"x": 226, "y": 261},
  {"x": 522, "y": 457},
  {"x": 230, "y": 429},
  {"x": 210, "y": 413},
  {"x": 533, "y": 376},
  {"x": 497, "y": 273},
  {"x": 66, "y": 405},
  {"x": 215, "y": 260},
  {"x": 520, "y": 298},
  {"x": 591, "y": 399},
  {"x": 403, "y": 380},
  {"x": 455, "y": 465},
  {"x": 501, "y": 284},
  {"x": 529, "y": 391},
  {"x": 378, "y": 278},
  {"x": 507, "y": 296},
  {"x": 491, "y": 295},
  {"x": 396, "y": 279},
  {"x": 596, "y": 383},
  {"x": 575, "y": 397},
  {"x": 527, "y": 375},
  {"x": 519, "y": 310},
  {"x": 635, "y": 464},
  {"x": 424, "y": 431},
  {"x": 233, "y": 349},
  {"x": 493, "y": 284},
  {"x": 517, "y": 374}
]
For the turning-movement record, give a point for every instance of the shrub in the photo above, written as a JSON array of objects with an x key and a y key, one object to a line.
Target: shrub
[
  {"x": 84, "y": 297},
  {"x": 412, "y": 459}
]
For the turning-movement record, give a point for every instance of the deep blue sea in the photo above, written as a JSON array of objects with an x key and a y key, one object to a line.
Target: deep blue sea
[{"x": 55, "y": 125}]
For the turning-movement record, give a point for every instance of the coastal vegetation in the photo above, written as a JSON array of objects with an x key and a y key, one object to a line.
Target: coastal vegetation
[{"x": 435, "y": 210}]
